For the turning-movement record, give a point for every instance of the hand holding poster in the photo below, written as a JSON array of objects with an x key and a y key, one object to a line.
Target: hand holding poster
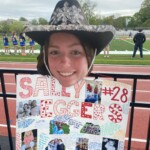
[{"x": 90, "y": 115}]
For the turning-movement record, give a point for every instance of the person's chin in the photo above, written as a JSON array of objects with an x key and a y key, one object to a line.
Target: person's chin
[{"x": 68, "y": 83}]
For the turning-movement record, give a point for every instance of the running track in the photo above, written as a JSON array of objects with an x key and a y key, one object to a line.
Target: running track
[{"x": 141, "y": 116}]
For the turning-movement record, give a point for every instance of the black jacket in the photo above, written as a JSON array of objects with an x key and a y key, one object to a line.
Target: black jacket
[
  {"x": 139, "y": 38},
  {"x": 61, "y": 147}
]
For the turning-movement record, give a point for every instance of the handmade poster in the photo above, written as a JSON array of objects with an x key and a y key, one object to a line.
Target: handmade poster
[{"x": 90, "y": 115}]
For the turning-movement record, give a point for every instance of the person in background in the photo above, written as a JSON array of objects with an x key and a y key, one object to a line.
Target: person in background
[
  {"x": 139, "y": 39},
  {"x": 32, "y": 44},
  {"x": 15, "y": 42},
  {"x": 6, "y": 43},
  {"x": 130, "y": 34},
  {"x": 22, "y": 43},
  {"x": 106, "y": 51}
]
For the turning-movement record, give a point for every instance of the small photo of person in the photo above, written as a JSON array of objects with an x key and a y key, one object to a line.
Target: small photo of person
[
  {"x": 55, "y": 144},
  {"x": 109, "y": 144},
  {"x": 82, "y": 144},
  {"x": 28, "y": 108},
  {"x": 59, "y": 127},
  {"x": 29, "y": 140},
  {"x": 93, "y": 93}
]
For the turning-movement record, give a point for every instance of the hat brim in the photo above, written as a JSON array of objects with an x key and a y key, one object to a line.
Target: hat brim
[{"x": 98, "y": 36}]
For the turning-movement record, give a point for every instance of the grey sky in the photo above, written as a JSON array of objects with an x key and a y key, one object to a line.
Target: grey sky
[{"x": 14, "y": 9}]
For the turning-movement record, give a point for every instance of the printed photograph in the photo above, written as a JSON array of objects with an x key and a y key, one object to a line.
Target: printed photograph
[
  {"x": 59, "y": 127},
  {"x": 55, "y": 144},
  {"x": 93, "y": 92},
  {"x": 109, "y": 144},
  {"x": 29, "y": 140},
  {"x": 90, "y": 128},
  {"x": 82, "y": 144},
  {"x": 28, "y": 108}
]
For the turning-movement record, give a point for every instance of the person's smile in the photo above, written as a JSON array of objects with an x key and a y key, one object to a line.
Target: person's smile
[{"x": 66, "y": 74}]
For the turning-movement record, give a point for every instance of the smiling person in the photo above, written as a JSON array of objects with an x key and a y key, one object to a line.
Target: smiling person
[{"x": 69, "y": 44}]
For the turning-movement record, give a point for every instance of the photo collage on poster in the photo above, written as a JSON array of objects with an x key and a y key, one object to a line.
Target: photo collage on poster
[{"x": 90, "y": 115}]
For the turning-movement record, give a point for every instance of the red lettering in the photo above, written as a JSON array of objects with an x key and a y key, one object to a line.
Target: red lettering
[
  {"x": 84, "y": 109},
  {"x": 98, "y": 111},
  {"x": 24, "y": 85},
  {"x": 45, "y": 110},
  {"x": 52, "y": 87},
  {"x": 41, "y": 85},
  {"x": 64, "y": 93},
  {"x": 116, "y": 116},
  {"x": 74, "y": 112},
  {"x": 58, "y": 109},
  {"x": 78, "y": 88}
]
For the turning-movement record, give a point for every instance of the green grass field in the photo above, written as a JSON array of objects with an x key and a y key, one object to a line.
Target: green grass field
[
  {"x": 119, "y": 44},
  {"x": 100, "y": 59},
  {"x": 126, "y": 44},
  {"x": 122, "y": 60}
]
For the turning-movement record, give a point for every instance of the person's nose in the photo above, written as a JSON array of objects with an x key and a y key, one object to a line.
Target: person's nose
[{"x": 65, "y": 60}]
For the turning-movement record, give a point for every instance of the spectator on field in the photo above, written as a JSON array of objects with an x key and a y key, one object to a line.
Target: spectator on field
[
  {"x": 22, "y": 43},
  {"x": 6, "y": 43},
  {"x": 32, "y": 44},
  {"x": 15, "y": 42},
  {"x": 130, "y": 35},
  {"x": 139, "y": 39},
  {"x": 106, "y": 51}
]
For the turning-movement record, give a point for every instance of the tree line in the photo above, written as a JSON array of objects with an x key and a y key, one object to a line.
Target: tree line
[{"x": 141, "y": 19}]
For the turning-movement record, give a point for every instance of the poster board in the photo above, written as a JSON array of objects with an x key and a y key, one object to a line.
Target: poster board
[{"x": 90, "y": 115}]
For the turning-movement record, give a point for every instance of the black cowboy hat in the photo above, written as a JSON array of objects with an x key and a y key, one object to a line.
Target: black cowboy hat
[{"x": 69, "y": 17}]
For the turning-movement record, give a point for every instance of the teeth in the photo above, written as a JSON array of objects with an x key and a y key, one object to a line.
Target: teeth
[{"x": 66, "y": 73}]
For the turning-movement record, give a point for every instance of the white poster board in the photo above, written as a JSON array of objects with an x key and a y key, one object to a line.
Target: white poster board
[{"x": 91, "y": 115}]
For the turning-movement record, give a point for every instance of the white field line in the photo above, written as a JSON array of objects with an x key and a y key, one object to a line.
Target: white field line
[
  {"x": 5, "y": 126},
  {"x": 134, "y": 73},
  {"x": 133, "y": 44},
  {"x": 120, "y": 66},
  {"x": 27, "y": 63},
  {"x": 136, "y": 140}
]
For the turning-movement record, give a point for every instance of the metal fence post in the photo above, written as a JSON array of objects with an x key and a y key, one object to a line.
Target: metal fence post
[
  {"x": 6, "y": 112},
  {"x": 148, "y": 136}
]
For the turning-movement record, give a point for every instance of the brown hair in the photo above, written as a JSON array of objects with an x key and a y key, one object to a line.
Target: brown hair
[{"x": 87, "y": 45}]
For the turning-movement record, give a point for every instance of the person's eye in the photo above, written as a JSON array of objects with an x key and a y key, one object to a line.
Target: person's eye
[
  {"x": 53, "y": 53},
  {"x": 76, "y": 52}
]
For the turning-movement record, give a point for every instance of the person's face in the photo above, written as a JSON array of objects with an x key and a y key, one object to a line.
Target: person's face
[{"x": 66, "y": 58}]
